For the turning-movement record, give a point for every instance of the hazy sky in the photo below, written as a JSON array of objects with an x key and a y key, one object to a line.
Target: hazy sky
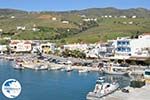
[{"x": 60, "y": 5}]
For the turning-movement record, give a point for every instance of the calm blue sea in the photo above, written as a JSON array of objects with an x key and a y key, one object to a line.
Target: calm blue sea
[{"x": 52, "y": 85}]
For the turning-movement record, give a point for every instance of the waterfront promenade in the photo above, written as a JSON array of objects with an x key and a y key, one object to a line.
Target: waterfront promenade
[{"x": 134, "y": 94}]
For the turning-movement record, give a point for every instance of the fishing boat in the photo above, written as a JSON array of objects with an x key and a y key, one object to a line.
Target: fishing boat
[
  {"x": 18, "y": 66},
  {"x": 100, "y": 80},
  {"x": 84, "y": 71},
  {"x": 147, "y": 74},
  {"x": 41, "y": 67},
  {"x": 55, "y": 68},
  {"x": 68, "y": 69},
  {"x": 102, "y": 89},
  {"x": 116, "y": 69}
]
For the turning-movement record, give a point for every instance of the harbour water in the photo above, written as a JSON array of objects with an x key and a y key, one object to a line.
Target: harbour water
[{"x": 53, "y": 85}]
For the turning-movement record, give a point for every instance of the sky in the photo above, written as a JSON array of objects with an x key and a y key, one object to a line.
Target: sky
[{"x": 63, "y": 5}]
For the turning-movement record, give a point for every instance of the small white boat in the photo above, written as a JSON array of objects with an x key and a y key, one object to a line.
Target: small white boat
[
  {"x": 100, "y": 80},
  {"x": 84, "y": 71},
  {"x": 68, "y": 69},
  {"x": 41, "y": 67},
  {"x": 147, "y": 74},
  {"x": 55, "y": 68},
  {"x": 102, "y": 89},
  {"x": 18, "y": 66},
  {"x": 115, "y": 69}
]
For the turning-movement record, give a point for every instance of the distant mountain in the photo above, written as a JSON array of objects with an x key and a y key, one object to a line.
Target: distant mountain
[
  {"x": 141, "y": 12},
  {"x": 11, "y": 12}
]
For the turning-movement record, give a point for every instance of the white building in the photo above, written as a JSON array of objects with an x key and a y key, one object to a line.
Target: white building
[
  {"x": 138, "y": 47},
  {"x": 12, "y": 17},
  {"x": 47, "y": 48},
  {"x": 110, "y": 16},
  {"x": 89, "y": 19},
  {"x": 133, "y": 16},
  {"x": 21, "y": 28},
  {"x": 130, "y": 23},
  {"x": 35, "y": 29},
  {"x": 80, "y": 47},
  {"x": 1, "y": 31},
  {"x": 20, "y": 45},
  {"x": 65, "y": 22},
  {"x": 106, "y": 16},
  {"x": 54, "y": 18},
  {"x": 98, "y": 51},
  {"x": 83, "y": 16},
  {"x": 123, "y": 16},
  {"x": 3, "y": 49}
]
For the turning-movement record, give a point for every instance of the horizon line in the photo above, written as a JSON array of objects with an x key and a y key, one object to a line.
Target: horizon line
[{"x": 67, "y": 10}]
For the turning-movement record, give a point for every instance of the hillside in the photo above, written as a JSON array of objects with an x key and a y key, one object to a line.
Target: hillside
[
  {"x": 140, "y": 12},
  {"x": 70, "y": 26}
]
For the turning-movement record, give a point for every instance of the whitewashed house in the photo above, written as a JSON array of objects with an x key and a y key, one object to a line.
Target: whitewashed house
[
  {"x": 133, "y": 16},
  {"x": 34, "y": 29},
  {"x": 19, "y": 46},
  {"x": 12, "y": 17},
  {"x": 21, "y": 28},
  {"x": 123, "y": 16},
  {"x": 99, "y": 51},
  {"x": 3, "y": 49},
  {"x": 80, "y": 47},
  {"x": 54, "y": 18},
  {"x": 106, "y": 16},
  {"x": 1, "y": 31},
  {"x": 83, "y": 16},
  {"x": 137, "y": 47},
  {"x": 130, "y": 23},
  {"x": 47, "y": 48},
  {"x": 89, "y": 19},
  {"x": 110, "y": 16},
  {"x": 65, "y": 22}
]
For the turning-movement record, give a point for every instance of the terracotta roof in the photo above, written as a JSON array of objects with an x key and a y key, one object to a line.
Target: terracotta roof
[
  {"x": 14, "y": 42},
  {"x": 27, "y": 42}
]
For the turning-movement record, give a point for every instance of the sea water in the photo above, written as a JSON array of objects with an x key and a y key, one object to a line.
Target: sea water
[{"x": 53, "y": 85}]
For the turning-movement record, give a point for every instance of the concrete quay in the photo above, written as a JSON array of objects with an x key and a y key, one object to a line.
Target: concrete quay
[{"x": 134, "y": 94}]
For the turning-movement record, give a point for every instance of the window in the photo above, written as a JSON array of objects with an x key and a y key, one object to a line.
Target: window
[
  {"x": 147, "y": 73},
  {"x": 118, "y": 43},
  {"x": 118, "y": 49},
  {"x": 123, "y": 43},
  {"x": 127, "y": 42},
  {"x": 123, "y": 49},
  {"x": 128, "y": 49}
]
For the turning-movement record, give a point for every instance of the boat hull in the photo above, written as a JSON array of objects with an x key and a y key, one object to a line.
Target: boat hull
[
  {"x": 116, "y": 73},
  {"x": 93, "y": 96}
]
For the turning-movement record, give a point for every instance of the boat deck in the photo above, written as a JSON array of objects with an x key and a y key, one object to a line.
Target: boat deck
[{"x": 134, "y": 94}]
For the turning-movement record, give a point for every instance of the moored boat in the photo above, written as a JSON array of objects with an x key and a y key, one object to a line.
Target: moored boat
[
  {"x": 84, "y": 71},
  {"x": 18, "y": 66},
  {"x": 102, "y": 89},
  {"x": 41, "y": 67},
  {"x": 147, "y": 74},
  {"x": 55, "y": 68},
  {"x": 68, "y": 69},
  {"x": 116, "y": 69}
]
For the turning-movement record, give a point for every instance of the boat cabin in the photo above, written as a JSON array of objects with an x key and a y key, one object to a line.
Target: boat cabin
[{"x": 147, "y": 74}]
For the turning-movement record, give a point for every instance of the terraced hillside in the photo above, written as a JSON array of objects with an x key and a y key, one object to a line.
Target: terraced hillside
[{"x": 89, "y": 25}]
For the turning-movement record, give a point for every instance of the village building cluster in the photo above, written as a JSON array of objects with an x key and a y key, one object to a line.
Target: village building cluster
[{"x": 121, "y": 48}]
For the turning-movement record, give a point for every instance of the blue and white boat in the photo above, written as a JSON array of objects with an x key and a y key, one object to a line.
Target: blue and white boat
[{"x": 102, "y": 89}]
